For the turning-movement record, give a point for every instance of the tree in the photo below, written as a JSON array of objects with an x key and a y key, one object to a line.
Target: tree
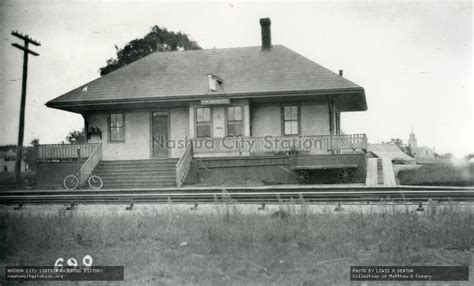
[
  {"x": 158, "y": 39},
  {"x": 76, "y": 137},
  {"x": 4, "y": 148},
  {"x": 29, "y": 156},
  {"x": 396, "y": 141},
  {"x": 446, "y": 156},
  {"x": 399, "y": 142}
]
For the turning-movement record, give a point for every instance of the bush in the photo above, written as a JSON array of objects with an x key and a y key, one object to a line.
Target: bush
[
  {"x": 438, "y": 175},
  {"x": 7, "y": 180},
  {"x": 6, "y": 177},
  {"x": 28, "y": 178}
]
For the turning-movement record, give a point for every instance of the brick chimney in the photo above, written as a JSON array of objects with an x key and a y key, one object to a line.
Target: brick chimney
[{"x": 265, "y": 24}]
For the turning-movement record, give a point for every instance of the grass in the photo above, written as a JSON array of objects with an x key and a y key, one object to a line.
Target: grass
[
  {"x": 438, "y": 175},
  {"x": 229, "y": 246}
]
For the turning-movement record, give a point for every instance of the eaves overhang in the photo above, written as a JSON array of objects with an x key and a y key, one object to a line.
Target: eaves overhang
[{"x": 348, "y": 99}]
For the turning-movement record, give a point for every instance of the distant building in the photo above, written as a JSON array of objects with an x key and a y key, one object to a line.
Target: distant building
[
  {"x": 422, "y": 154},
  {"x": 412, "y": 142},
  {"x": 7, "y": 161}
]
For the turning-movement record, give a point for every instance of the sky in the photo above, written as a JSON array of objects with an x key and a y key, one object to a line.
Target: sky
[{"x": 414, "y": 59}]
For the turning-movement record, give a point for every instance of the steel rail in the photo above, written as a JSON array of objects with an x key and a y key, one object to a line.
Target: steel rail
[
  {"x": 219, "y": 189},
  {"x": 163, "y": 196}
]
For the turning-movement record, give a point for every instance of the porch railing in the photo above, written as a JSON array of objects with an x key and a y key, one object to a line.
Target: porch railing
[
  {"x": 64, "y": 151},
  {"x": 90, "y": 163},
  {"x": 274, "y": 144},
  {"x": 183, "y": 165}
]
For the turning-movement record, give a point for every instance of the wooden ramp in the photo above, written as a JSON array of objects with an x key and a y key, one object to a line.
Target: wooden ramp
[
  {"x": 380, "y": 172},
  {"x": 388, "y": 173},
  {"x": 371, "y": 178}
]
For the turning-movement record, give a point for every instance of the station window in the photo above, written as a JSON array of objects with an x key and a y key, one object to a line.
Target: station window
[
  {"x": 203, "y": 122},
  {"x": 117, "y": 127},
  {"x": 291, "y": 120},
  {"x": 234, "y": 120}
]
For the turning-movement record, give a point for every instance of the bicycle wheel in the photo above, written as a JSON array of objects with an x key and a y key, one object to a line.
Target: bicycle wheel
[
  {"x": 95, "y": 182},
  {"x": 71, "y": 182}
]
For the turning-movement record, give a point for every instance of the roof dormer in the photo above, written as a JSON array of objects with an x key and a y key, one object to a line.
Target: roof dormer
[{"x": 214, "y": 81}]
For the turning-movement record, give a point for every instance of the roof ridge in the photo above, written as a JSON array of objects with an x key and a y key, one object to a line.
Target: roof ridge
[{"x": 211, "y": 49}]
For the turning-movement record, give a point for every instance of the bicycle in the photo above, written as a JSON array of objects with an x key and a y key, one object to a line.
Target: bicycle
[{"x": 71, "y": 182}]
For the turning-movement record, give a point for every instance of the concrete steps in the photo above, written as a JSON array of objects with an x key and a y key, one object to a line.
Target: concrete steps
[
  {"x": 379, "y": 172},
  {"x": 137, "y": 173}
]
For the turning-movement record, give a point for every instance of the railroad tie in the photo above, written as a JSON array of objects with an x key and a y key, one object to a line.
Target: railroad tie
[
  {"x": 420, "y": 208},
  {"x": 19, "y": 207},
  {"x": 71, "y": 207}
]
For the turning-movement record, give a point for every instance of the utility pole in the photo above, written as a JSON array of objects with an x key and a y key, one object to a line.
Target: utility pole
[{"x": 27, "y": 40}]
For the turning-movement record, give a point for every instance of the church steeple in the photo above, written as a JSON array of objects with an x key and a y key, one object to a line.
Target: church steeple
[{"x": 412, "y": 140}]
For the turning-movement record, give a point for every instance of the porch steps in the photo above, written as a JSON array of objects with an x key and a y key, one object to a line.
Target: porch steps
[
  {"x": 137, "y": 173},
  {"x": 380, "y": 172}
]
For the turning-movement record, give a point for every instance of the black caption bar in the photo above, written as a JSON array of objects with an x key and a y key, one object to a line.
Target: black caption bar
[
  {"x": 50, "y": 273},
  {"x": 409, "y": 273}
]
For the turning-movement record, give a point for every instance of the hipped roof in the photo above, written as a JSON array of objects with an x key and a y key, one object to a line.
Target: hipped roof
[{"x": 247, "y": 72}]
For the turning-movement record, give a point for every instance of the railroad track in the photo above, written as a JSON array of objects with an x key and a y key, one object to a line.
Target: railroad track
[{"x": 242, "y": 195}]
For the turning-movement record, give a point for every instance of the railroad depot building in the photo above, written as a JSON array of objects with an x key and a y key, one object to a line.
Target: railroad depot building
[{"x": 262, "y": 114}]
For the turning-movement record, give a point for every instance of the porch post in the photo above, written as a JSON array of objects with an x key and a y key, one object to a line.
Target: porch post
[
  {"x": 78, "y": 158},
  {"x": 331, "y": 112},
  {"x": 191, "y": 122},
  {"x": 247, "y": 119},
  {"x": 331, "y": 124}
]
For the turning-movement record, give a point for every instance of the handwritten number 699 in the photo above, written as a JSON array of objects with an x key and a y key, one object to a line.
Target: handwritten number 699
[{"x": 72, "y": 262}]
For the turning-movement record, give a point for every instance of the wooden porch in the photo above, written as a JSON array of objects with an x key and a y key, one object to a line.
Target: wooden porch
[
  {"x": 87, "y": 156},
  {"x": 82, "y": 158},
  {"x": 329, "y": 144},
  {"x": 269, "y": 145},
  {"x": 64, "y": 152}
]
